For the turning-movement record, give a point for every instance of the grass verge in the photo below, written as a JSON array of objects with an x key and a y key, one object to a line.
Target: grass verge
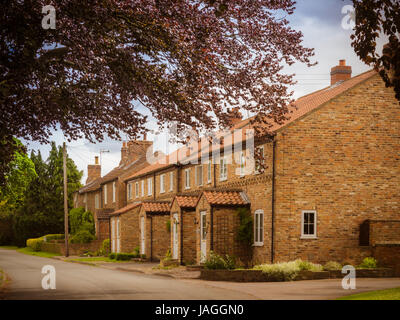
[
  {"x": 9, "y": 247},
  {"x": 42, "y": 254},
  {"x": 388, "y": 294},
  {"x": 95, "y": 259}
]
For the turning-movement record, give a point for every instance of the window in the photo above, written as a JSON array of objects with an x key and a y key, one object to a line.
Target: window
[
  {"x": 199, "y": 175},
  {"x": 129, "y": 191},
  {"x": 142, "y": 188},
  {"x": 242, "y": 163},
  {"x": 96, "y": 201},
  {"x": 309, "y": 224},
  {"x": 259, "y": 228},
  {"x": 259, "y": 163},
  {"x": 105, "y": 194},
  {"x": 209, "y": 172},
  {"x": 85, "y": 200},
  {"x": 149, "y": 186},
  {"x": 162, "y": 183},
  {"x": 114, "y": 191},
  {"x": 223, "y": 170},
  {"x": 171, "y": 181},
  {"x": 137, "y": 189},
  {"x": 187, "y": 179}
]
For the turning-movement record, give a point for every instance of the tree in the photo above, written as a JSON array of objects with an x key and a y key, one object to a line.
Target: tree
[
  {"x": 374, "y": 18},
  {"x": 43, "y": 209},
  {"x": 185, "y": 61}
]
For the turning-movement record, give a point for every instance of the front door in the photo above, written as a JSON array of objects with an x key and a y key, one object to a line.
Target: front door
[
  {"x": 113, "y": 235},
  {"x": 142, "y": 238},
  {"x": 203, "y": 236},
  {"x": 175, "y": 236}
]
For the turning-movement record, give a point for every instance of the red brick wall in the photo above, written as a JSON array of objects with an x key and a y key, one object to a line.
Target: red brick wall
[{"x": 384, "y": 232}]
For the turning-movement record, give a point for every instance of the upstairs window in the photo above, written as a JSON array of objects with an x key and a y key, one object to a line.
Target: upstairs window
[
  {"x": 259, "y": 163},
  {"x": 171, "y": 181},
  {"x": 97, "y": 201},
  {"x": 129, "y": 192},
  {"x": 309, "y": 224},
  {"x": 105, "y": 194},
  {"x": 137, "y": 189},
  {"x": 242, "y": 163},
  {"x": 149, "y": 186},
  {"x": 187, "y": 179},
  {"x": 142, "y": 188},
  {"x": 162, "y": 183},
  {"x": 199, "y": 175},
  {"x": 114, "y": 189},
  {"x": 209, "y": 171},
  {"x": 223, "y": 169}
]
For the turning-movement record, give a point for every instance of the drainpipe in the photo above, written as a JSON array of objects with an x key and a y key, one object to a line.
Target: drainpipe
[
  {"x": 212, "y": 228},
  {"x": 181, "y": 244},
  {"x": 273, "y": 201},
  {"x": 151, "y": 238}
]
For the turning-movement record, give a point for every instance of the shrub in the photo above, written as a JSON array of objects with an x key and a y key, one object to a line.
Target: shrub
[
  {"x": 215, "y": 261},
  {"x": 136, "y": 252},
  {"x": 287, "y": 271},
  {"x": 111, "y": 255},
  {"x": 81, "y": 220},
  {"x": 35, "y": 244},
  {"x": 143, "y": 256},
  {"x": 369, "y": 263},
  {"x": 245, "y": 229},
  {"x": 168, "y": 225},
  {"x": 51, "y": 237},
  {"x": 332, "y": 265},
  {"x": 123, "y": 256},
  {"x": 106, "y": 246},
  {"x": 82, "y": 236}
]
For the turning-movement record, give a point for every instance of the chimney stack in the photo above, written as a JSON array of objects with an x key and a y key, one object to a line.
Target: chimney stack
[
  {"x": 124, "y": 152},
  {"x": 94, "y": 171},
  {"x": 340, "y": 72},
  {"x": 234, "y": 116}
]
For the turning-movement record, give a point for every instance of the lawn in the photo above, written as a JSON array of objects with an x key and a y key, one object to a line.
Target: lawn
[
  {"x": 9, "y": 247},
  {"x": 388, "y": 294},
  {"x": 94, "y": 259},
  {"x": 42, "y": 254}
]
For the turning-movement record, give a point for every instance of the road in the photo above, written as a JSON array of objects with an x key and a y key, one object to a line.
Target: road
[{"x": 77, "y": 281}]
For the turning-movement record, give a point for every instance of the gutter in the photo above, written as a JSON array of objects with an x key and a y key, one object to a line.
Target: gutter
[{"x": 273, "y": 201}]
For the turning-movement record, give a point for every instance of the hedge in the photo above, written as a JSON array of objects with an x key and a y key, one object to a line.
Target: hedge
[
  {"x": 51, "y": 237},
  {"x": 35, "y": 244}
]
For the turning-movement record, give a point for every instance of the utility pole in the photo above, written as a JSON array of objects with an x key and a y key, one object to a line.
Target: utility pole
[{"x": 65, "y": 200}]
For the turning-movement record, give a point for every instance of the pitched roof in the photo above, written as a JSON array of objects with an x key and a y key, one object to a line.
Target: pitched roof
[
  {"x": 186, "y": 201},
  {"x": 148, "y": 206},
  {"x": 226, "y": 197},
  {"x": 92, "y": 186},
  {"x": 117, "y": 171},
  {"x": 125, "y": 209}
]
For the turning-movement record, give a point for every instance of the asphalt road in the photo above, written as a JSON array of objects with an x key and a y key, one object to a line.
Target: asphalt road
[{"x": 77, "y": 281}]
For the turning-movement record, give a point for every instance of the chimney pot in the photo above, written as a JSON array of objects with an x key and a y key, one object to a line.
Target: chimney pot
[
  {"x": 144, "y": 136},
  {"x": 340, "y": 72},
  {"x": 96, "y": 160}
]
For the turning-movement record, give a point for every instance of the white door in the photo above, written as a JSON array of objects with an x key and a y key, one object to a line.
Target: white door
[
  {"x": 203, "y": 236},
  {"x": 175, "y": 236},
  {"x": 118, "y": 236},
  {"x": 142, "y": 237},
  {"x": 113, "y": 235}
]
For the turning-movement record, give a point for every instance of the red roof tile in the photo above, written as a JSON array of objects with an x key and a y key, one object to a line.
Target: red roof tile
[
  {"x": 185, "y": 201},
  {"x": 156, "y": 206},
  {"x": 226, "y": 197},
  {"x": 125, "y": 209}
]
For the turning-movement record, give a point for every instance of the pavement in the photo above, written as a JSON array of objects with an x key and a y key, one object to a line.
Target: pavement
[{"x": 140, "y": 281}]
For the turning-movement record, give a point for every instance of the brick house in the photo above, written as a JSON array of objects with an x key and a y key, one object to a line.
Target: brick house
[{"x": 330, "y": 167}]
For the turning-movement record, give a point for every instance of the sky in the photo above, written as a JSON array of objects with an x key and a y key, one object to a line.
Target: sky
[{"x": 321, "y": 25}]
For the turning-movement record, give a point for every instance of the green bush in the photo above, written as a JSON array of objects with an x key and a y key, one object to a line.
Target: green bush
[
  {"x": 332, "y": 265},
  {"x": 215, "y": 261},
  {"x": 79, "y": 220},
  {"x": 51, "y": 237},
  {"x": 136, "y": 252},
  {"x": 82, "y": 236},
  {"x": 124, "y": 256},
  {"x": 287, "y": 271},
  {"x": 143, "y": 256},
  {"x": 245, "y": 232},
  {"x": 35, "y": 244},
  {"x": 369, "y": 263},
  {"x": 168, "y": 225},
  {"x": 111, "y": 255},
  {"x": 106, "y": 246}
]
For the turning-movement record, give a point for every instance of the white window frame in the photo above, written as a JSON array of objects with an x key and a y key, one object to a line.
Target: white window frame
[
  {"x": 137, "y": 189},
  {"x": 223, "y": 169},
  {"x": 105, "y": 193},
  {"x": 149, "y": 186},
  {"x": 162, "y": 183},
  {"x": 187, "y": 178},
  {"x": 198, "y": 176},
  {"x": 85, "y": 201},
  {"x": 171, "y": 181},
  {"x": 114, "y": 192},
  {"x": 96, "y": 201},
  {"x": 242, "y": 163},
  {"x": 259, "y": 227},
  {"x": 209, "y": 172},
  {"x": 129, "y": 191},
  {"x": 309, "y": 236},
  {"x": 142, "y": 188}
]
